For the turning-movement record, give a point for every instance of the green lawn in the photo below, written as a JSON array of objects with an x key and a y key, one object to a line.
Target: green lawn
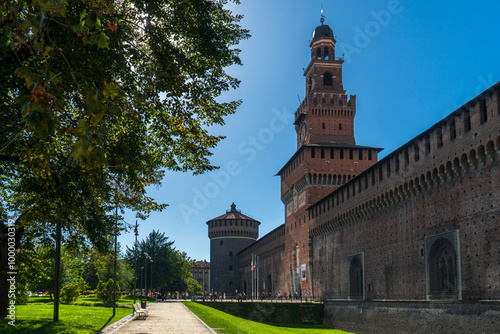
[
  {"x": 90, "y": 300},
  {"x": 224, "y": 323},
  {"x": 36, "y": 317}
]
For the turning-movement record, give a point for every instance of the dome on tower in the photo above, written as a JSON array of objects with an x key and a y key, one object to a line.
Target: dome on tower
[{"x": 322, "y": 31}]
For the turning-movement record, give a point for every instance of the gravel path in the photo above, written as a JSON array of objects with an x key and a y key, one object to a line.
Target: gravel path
[{"x": 166, "y": 317}]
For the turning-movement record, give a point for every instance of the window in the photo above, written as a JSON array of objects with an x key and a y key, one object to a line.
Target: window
[
  {"x": 331, "y": 153},
  {"x": 326, "y": 53},
  {"x": 370, "y": 155},
  {"x": 427, "y": 144},
  {"x": 453, "y": 130},
  {"x": 318, "y": 53},
  {"x": 323, "y": 125},
  {"x": 230, "y": 253},
  {"x": 312, "y": 153},
  {"x": 327, "y": 79},
  {"x": 356, "y": 279},
  {"x": 230, "y": 267},
  {"x": 467, "y": 125},
  {"x": 483, "y": 113},
  {"x": 340, "y": 126},
  {"x": 351, "y": 153},
  {"x": 416, "y": 152},
  {"x": 221, "y": 242},
  {"x": 442, "y": 265},
  {"x": 341, "y": 153},
  {"x": 439, "y": 136},
  {"x": 360, "y": 154}
]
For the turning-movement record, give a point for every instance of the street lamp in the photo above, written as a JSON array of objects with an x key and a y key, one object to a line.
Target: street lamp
[
  {"x": 150, "y": 259},
  {"x": 142, "y": 274},
  {"x": 145, "y": 278}
]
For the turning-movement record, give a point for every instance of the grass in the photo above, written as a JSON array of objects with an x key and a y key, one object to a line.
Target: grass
[
  {"x": 36, "y": 317},
  {"x": 91, "y": 300},
  {"x": 224, "y": 323}
]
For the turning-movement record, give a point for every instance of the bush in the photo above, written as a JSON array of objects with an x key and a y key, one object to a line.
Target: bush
[
  {"x": 22, "y": 293},
  {"x": 70, "y": 293},
  {"x": 105, "y": 291}
]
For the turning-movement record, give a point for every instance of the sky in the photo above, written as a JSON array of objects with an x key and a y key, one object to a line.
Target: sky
[{"x": 409, "y": 62}]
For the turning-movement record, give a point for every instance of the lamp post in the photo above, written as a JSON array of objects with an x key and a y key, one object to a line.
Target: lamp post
[
  {"x": 145, "y": 278},
  {"x": 136, "y": 232},
  {"x": 150, "y": 259},
  {"x": 142, "y": 274}
]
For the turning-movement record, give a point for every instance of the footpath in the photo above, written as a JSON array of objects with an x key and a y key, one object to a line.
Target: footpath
[{"x": 166, "y": 317}]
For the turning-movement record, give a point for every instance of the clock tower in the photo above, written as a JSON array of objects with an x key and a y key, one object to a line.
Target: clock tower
[{"x": 327, "y": 155}]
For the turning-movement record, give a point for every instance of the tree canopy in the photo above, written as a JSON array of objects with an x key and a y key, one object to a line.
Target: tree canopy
[
  {"x": 98, "y": 99},
  {"x": 169, "y": 266}
]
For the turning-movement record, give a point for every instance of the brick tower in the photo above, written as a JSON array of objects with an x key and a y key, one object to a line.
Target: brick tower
[
  {"x": 229, "y": 234},
  {"x": 327, "y": 155}
]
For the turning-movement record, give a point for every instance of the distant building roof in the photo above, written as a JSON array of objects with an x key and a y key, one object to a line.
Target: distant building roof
[{"x": 233, "y": 213}]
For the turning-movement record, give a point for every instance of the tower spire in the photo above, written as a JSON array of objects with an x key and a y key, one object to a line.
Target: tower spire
[{"x": 322, "y": 20}]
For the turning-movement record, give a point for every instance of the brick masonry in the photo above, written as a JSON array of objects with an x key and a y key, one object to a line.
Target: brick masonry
[{"x": 415, "y": 234}]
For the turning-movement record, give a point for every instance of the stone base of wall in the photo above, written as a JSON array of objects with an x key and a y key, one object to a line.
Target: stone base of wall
[
  {"x": 278, "y": 312},
  {"x": 413, "y": 316}
]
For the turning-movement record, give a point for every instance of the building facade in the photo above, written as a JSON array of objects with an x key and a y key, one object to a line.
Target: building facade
[
  {"x": 201, "y": 273},
  {"x": 410, "y": 243}
]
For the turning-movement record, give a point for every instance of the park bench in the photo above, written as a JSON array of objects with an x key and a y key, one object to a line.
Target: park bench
[{"x": 140, "y": 311}]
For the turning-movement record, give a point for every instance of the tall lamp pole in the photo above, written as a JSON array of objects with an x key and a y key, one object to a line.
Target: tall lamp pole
[
  {"x": 150, "y": 259},
  {"x": 136, "y": 232},
  {"x": 145, "y": 278},
  {"x": 116, "y": 255},
  {"x": 142, "y": 275}
]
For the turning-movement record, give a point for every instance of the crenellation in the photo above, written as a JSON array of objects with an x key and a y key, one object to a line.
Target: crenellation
[{"x": 362, "y": 231}]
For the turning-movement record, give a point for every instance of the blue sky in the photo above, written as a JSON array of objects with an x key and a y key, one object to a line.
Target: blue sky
[{"x": 409, "y": 62}]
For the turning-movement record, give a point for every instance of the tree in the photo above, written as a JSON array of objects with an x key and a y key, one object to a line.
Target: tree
[
  {"x": 98, "y": 98},
  {"x": 124, "y": 272},
  {"x": 169, "y": 265}
]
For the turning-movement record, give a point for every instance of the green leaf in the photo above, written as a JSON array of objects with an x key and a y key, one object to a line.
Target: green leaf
[{"x": 103, "y": 41}]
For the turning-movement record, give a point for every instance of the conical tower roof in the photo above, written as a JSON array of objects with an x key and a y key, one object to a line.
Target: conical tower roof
[{"x": 231, "y": 214}]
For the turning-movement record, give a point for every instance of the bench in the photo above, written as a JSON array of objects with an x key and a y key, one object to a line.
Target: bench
[{"x": 140, "y": 311}]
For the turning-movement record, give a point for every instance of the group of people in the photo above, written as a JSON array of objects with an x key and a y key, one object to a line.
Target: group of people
[{"x": 167, "y": 296}]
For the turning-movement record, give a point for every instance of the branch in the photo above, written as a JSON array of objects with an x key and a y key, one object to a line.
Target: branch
[{"x": 17, "y": 135}]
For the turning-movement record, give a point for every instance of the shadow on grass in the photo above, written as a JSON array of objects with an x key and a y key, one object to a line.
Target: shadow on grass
[
  {"x": 307, "y": 326},
  {"x": 39, "y": 300},
  {"x": 39, "y": 327},
  {"x": 107, "y": 322}
]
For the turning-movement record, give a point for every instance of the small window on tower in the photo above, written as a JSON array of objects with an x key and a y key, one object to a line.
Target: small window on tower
[
  {"x": 340, "y": 126},
  {"x": 318, "y": 53},
  {"x": 323, "y": 125},
  {"x": 326, "y": 53},
  {"x": 327, "y": 79}
]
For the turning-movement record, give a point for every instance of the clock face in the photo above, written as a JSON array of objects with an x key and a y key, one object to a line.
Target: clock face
[{"x": 302, "y": 133}]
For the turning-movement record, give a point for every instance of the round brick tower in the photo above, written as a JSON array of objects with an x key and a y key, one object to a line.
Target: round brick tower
[{"x": 229, "y": 234}]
